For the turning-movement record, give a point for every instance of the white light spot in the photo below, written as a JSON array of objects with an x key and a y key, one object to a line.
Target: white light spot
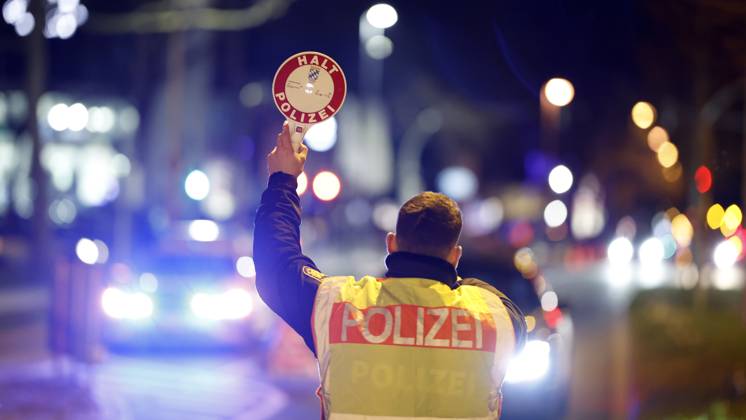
[
  {"x": 197, "y": 185},
  {"x": 219, "y": 204},
  {"x": 385, "y": 214},
  {"x": 725, "y": 254},
  {"x": 379, "y": 47},
  {"x": 87, "y": 251},
  {"x": 560, "y": 179},
  {"x": 67, "y": 6},
  {"x": 322, "y": 136},
  {"x": 100, "y": 119},
  {"x": 148, "y": 282},
  {"x": 121, "y": 165},
  {"x": 484, "y": 216},
  {"x": 66, "y": 26},
  {"x": 25, "y": 24},
  {"x": 13, "y": 10},
  {"x": 620, "y": 251},
  {"x": 457, "y": 182},
  {"x": 77, "y": 116},
  {"x": 57, "y": 117},
  {"x": 204, "y": 230},
  {"x": 103, "y": 251},
  {"x": 251, "y": 94},
  {"x": 245, "y": 267},
  {"x": 555, "y": 213},
  {"x": 62, "y": 212},
  {"x": 651, "y": 252},
  {"x": 559, "y": 92},
  {"x": 81, "y": 14},
  {"x": 129, "y": 120},
  {"x": 381, "y": 16},
  {"x": 549, "y": 301},
  {"x": 326, "y": 186},
  {"x": 302, "y": 183}
]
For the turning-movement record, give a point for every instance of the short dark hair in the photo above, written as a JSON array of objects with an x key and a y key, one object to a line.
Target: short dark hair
[{"x": 429, "y": 223}]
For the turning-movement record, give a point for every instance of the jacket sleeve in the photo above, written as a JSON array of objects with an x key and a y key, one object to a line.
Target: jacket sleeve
[
  {"x": 516, "y": 315},
  {"x": 280, "y": 263}
]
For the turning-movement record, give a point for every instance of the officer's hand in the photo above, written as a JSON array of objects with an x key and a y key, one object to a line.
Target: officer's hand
[{"x": 283, "y": 158}]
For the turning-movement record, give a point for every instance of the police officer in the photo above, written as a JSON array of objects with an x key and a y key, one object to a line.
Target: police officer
[{"x": 419, "y": 343}]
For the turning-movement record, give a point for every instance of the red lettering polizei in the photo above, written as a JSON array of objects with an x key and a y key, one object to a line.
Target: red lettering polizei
[{"x": 411, "y": 325}]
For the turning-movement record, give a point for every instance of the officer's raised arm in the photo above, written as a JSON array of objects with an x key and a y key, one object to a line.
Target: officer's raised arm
[{"x": 280, "y": 263}]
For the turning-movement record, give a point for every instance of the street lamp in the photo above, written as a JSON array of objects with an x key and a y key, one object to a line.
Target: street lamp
[{"x": 559, "y": 92}]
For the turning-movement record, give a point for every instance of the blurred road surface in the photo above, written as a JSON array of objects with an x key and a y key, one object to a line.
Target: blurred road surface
[{"x": 33, "y": 386}]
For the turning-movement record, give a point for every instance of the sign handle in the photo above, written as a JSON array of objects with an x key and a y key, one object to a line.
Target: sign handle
[{"x": 297, "y": 132}]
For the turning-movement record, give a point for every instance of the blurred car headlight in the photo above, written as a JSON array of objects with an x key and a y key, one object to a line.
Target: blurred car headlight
[
  {"x": 232, "y": 304},
  {"x": 531, "y": 364},
  {"x": 119, "y": 304}
]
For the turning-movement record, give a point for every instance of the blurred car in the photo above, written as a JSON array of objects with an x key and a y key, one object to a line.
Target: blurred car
[
  {"x": 537, "y": 382},
  {"x": 184, "y": 298}
]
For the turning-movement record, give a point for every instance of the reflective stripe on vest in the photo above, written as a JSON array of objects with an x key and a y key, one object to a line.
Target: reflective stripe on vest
[{"x": 405, "y": 348}]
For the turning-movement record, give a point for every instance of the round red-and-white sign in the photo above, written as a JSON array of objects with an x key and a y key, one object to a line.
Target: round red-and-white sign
[{"x": 309, "y": 87}]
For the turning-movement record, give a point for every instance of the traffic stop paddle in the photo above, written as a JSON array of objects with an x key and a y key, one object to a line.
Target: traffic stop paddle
[{"x": 309, "y": 87}]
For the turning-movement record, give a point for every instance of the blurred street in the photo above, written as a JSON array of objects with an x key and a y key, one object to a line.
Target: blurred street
[{"x": 34, "y": 386}]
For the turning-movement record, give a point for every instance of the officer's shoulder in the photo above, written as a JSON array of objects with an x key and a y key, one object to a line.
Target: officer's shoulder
[
  {"x": 312, "y": 275},
  {"x": 475, "y": 282}
]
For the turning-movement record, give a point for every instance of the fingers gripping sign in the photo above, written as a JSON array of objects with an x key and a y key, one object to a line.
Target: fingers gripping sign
[
  {"x": 284, "y": 158},
  {"x": 308, "y": 88}
]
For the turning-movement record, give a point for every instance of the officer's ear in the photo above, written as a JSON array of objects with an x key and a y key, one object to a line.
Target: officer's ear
[
  {"x": 455, "y": 255},
  {"x": 391, "y": 244}
]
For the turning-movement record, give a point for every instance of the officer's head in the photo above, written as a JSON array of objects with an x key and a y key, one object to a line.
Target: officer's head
[{"x": 428, "y": 224}]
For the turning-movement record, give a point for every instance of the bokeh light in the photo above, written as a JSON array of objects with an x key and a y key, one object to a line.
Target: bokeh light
[
  {"x": 204, "y": 230},
  {"x": 197, "y": 185},
  {"x": 322, "y": 136},
  {"x": 715, "y": 216},
  {"x": 643, "y": 114},
  {"x": 668, "y": 155},
  {"x": 87, "y": 251},
  {"x": 245, "y": 267},
  {"x": 555, "y": 213},
  {"x": 381, "y": 16},
  {"x": 560, "y": 179},
  {"x": 57, "y": 117},
  {"x": 483, "y": 216},
  {"x": 549, "y": 301},
  {"x": 703, "y": 179},
  {"x": 682, "y": 230},
  {"x": 103, "y": 251},
  {"x": 726, "y": 252},
  {"x": 458, "y": 182},
  {"x": 302, "y": 183},
  {"x": 379, "y": 47},
  {"x": 732, "y": 219},
  {"x": 651, "y": 251},
  {"x": 77, "y": 117},
  {"x": 620, "y": 251},
  {"x": 559, "y": 92},
  {"x": 656, "y": 137},
  {"x": 326, "y": 186},
  {"x": 384, "y": 214},
  {"x": 148, "y": 282}
]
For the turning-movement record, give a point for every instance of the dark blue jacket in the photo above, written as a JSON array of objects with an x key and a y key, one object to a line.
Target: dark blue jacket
[{"x": 288, "y": 287}]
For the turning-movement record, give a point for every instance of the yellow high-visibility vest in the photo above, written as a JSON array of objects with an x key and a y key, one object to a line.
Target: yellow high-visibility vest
[{"x": 402, "y": 348}]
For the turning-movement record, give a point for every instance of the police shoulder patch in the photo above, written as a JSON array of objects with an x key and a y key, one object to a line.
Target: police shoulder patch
[{"x": 312, "y": 273}]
